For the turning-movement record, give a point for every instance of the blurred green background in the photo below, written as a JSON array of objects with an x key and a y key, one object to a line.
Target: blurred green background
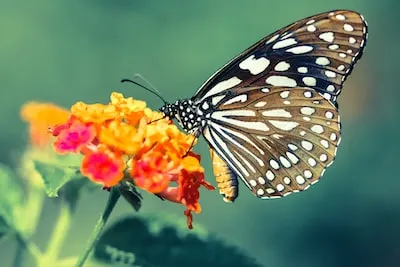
[{"x": 67, "y": 51}]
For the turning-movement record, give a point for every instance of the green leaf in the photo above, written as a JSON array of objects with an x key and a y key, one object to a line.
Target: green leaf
[
  {"x": 10, "y": 200},
  {"x": 129, "y": 192},
  {"x": 134, "y": 242},
  {"x": 54, "y": 177}
]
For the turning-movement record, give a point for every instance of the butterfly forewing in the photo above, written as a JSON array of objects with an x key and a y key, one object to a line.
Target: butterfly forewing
[
  {"x": 277, "y": 139},
  {"x": 317, "y": 52}
]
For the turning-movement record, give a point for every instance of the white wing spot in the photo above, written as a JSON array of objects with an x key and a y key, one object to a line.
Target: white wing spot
[
  {"x": 205, "y": 105},
  {"x": 285, "y": 162},
  {"x": 307, "y": 110},
  {"x": 341, "y": 67},
  {"x": 286, "y": 180},
  {"x": 281, "y": 81},
  {"x": 317, "y": 129},
  {"x": 270, "y": 175},
  {"x": 311, "y": 28},
  {"x": 329, "y": 115},
  {"x": 284, "y": 125},
  {"x": 307, "y": 174},
  {"x": 352, "y": 40},
  {"x": 260, "y": 104},
  {"x": 280, "y": 187},
  {"x": 330, "y": 74},
  {"x": 302, "y": 69},
  {"x": 260, "y": 192},
  {"x": 300, "y": 179},
  {"x": 270, "y": 190},
  {"x": 292, "y": 157},
  {"x": 286, "y": 102},
  {"x": 340, "y": 17},
  {"x": 273, "y": 38},
  {"x": 302, "y": 133},
  {"x": 310, "y": 22},
  {"x": 274, "y": 164},
  {"x": 333, "y": 136},
  {"x": 327, "y": 37},
  {"x": 277, "y": 113},
  {"x": 240, "y": 98},
  {"x": 300, "y": 49},
  {"x": 255, "y": 66},
  {"x": 261, "y": 180},
  {"x": 285, "y": 94},
  {"x": 312, "y": 162},
  {"x": 323, "y": 61},
  {"x": 308, "y": 94},
  {"x": 307, "y": 145},
  {"x": 348, "y": 27},
  {"x": 293, "y": 147},
  {"x": 306, "y": 118},
  {"x": 216, "y": 99},
  {"x": 284, "y": 43},
  {"x": 342, "y": 55},
  {"x": 282, "y": 66},
  {"x": 323, "y": 157},
  {"x": 327, "y": 96},
  {"x": 221, "y": 86},
  {"x": 324, "y": 143},
  {"x": 310, "y": 81},
  {"x": 333, "y": 47},
  {"x": 253, "y": 183},
  {"x": 330, "y": 88},
  {"x": 265, "y": 90}
]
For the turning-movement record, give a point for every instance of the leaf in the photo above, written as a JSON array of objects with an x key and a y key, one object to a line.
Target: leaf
[
  {"x": 129, "y": 192},
  {"x": 10, "y": 200},
  {"x": 134, "y": 242},
  {"x": 54, "y": 177}
]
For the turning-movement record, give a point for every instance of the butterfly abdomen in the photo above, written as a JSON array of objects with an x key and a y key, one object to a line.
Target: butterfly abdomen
[{"x": 227, "y": 181}]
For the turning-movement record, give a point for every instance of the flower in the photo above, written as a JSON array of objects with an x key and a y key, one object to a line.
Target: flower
[
  {"x": 40, "y": 116},
  {"x": 125, "y": 140},
  {"x": 103, "y": 166}
]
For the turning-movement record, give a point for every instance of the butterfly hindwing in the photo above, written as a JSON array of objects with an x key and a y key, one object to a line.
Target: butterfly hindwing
[
  {"x": 317, "y": 52},
  {"x": 280, "y": 140}
]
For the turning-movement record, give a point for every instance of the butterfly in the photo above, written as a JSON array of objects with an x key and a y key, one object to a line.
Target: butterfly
[{"x": 270, "y": 115}]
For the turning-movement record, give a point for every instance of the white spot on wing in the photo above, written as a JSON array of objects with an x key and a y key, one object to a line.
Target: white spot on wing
[
  {"x": 323, "y": 61},
  {"x": 255, "y": 66},
  {"x": 327, "y": 37},
  {"x": 215, "y": 100},
  {"x": 260, "y": 104},
  {"x": 282, "y": 66},
  {"x": 302, "y": 69},
  {"x": 300, "y": 49},
  {"x": 284, "y": 43},
  {"x": 309, "y": 81},
  {"x": 240, "y": 98},
  {"x": 273, "y": 38},
  {"x": 225, "y": 114},
  {"x": 281, "y": 81},
  {"x": 277, "y": 113},
  {"x": 284, "y": 125},
  {"x": 307, "y": 110},
  {"x": 221, "y": 86},
  {"x": 348, "y": 27}
]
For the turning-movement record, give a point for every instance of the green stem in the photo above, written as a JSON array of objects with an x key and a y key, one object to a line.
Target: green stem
[
  {"x": 23, "y": 245},
  {"x": 58, "y": 236},
  {"x": 95, "y": 235}
]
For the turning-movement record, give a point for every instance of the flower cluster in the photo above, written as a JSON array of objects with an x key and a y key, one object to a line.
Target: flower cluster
[{"x": 126, "y": 140}]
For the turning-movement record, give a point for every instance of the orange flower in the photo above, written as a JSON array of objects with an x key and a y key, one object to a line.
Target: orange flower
[
  {"x": 122, "y": 136},
  {"x": 103, "y": 166},
  {"x": 94, "y": 113},
  {"x": 40, "y": 116},
  {"x": 125, "y": 129}
]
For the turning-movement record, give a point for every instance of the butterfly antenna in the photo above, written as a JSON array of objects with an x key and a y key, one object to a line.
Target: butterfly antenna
[
  {"x": 140, "y": 76},
  {"x": 154, "y": 92}
]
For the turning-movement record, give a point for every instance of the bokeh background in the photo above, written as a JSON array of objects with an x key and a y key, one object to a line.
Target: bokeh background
[{"x": 67, "y": 51}]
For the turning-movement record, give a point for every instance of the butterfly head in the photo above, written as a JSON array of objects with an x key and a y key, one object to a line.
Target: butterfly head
[{"x": 185, "y": 112}]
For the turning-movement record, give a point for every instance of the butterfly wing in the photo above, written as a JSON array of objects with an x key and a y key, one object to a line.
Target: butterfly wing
[
  {"x": 278, "y": 140},
  {"x": 317, "y": 52}
]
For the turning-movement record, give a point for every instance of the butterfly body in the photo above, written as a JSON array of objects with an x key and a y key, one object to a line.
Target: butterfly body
[{"x": 270, "y": 115}]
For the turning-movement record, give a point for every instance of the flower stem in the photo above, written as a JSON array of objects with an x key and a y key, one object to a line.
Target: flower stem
[
  {"x": 95, "y": 236},
  {"x": 58, "y": 236}
]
